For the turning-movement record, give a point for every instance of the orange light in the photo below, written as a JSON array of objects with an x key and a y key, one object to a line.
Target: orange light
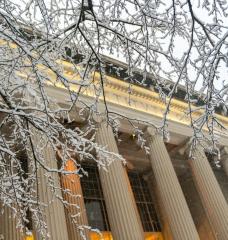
[
  {"x": 29, "y": 237},
  {"x": 108, "y": 236},
  {"x": 70, "y": 166},
  {"x": 104, "y": 236},
  {"x": 153, "y": 236},
  {"x": 71, "y": 181}
]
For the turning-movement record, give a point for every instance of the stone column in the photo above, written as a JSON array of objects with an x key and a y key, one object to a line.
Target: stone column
[
  {"x": 210, "y": 193},
  {"x": 165, "y": 227},
  {"x": 121, "y": 207},
  {"x": 8, "y": 230},
  {"x": 54, "y": 214},
  {"x": 224, "y": 159},
  {"x": 74, "y": 197},
  {"x": 54, "y": 211},
  {"x": 170, "y": 192}
]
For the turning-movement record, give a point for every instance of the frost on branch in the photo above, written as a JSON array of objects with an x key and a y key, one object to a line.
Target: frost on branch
[{"x": 177, "y": 48}]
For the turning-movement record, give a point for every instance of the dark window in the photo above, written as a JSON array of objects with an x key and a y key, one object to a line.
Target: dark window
[
  {"x": 144, "y": 202},
  {"x": 94, "y": 199}
]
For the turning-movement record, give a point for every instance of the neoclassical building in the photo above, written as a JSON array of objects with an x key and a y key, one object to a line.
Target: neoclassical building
[{"x": 161, "y": 195}]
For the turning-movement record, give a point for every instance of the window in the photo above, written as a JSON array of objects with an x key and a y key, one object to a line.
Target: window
[
  {"x": 144, "y": 202},
  {"x": 94, "y": 199}
]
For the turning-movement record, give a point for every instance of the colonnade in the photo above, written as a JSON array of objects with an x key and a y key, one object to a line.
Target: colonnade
[{"x": 121, "y": 208}]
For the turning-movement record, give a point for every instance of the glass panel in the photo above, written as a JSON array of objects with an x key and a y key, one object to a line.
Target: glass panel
[
  {"x": 95, "y": 214},
  {"x": 144, "y": 202},
  {"x": 94, "y": 199}
]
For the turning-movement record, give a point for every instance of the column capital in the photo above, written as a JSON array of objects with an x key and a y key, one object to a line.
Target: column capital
[
  {"x": 150, "y": 133},
  {"x": 188, "y": 149},
  {"x": 99, "y": 118},
  {"x": 224, "y": 153},
  {"x": 224, "y": 158}
]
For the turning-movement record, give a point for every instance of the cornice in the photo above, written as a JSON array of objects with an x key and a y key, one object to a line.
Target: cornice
[
  {"x": 154, "y": 99},
  {"x": 141, "y": 99},
  {"x": 119, "y": 87}
]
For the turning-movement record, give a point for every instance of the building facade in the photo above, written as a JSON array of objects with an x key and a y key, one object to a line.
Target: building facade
[{"x": 160, "y": 195}]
